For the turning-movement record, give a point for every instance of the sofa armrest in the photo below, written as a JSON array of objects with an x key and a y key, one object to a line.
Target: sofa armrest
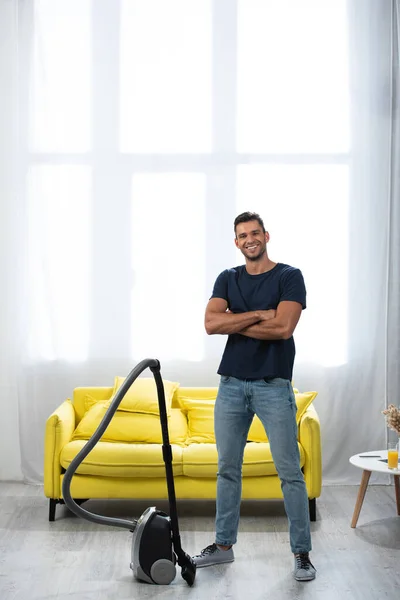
[
  {"x": 59, "y": 429},
  {"x": 310, "y": 439}
]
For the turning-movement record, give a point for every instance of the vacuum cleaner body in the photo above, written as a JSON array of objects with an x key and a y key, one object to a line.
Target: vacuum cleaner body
[{"x": 153, "y": 558}]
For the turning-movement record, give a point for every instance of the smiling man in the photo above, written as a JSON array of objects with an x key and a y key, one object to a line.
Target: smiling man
[{"x": 258, "y": 306}]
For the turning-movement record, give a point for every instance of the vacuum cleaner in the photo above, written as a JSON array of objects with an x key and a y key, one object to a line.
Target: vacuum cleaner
[{"x": 156, "y": 543}]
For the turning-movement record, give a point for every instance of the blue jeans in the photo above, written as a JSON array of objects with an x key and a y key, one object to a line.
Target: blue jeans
[{"x": 273, "y": 402}]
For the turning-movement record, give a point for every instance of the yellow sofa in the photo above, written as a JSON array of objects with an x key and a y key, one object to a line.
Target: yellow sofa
[{"x": 127, "y": 462}]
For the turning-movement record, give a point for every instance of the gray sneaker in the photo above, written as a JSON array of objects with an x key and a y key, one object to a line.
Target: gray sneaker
[
  {"x": 212, "y": 555},
  {"x": 303, "y": 569}
]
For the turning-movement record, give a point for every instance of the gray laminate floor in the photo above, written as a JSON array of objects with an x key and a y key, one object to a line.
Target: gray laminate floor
[{"x": 76, "y": 560}]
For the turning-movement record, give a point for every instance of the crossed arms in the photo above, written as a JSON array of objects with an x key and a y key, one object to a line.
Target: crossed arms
[{"x": 271, "y": 324}]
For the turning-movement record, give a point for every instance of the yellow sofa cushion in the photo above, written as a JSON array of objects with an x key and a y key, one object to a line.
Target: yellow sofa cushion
[
  {"x": 303, "y": 401},
  {"x": 200, "y": 415},
  {"x": 142, "y": 395},
  {"x": 200, "y": 419},
  {"x": 80, "y": 394},
  {"x": 201, "y": 393},
  {"x": 201, "y": 460},
  {"x": 110, "y": 459},
  {"x": 130, "y": 427}
]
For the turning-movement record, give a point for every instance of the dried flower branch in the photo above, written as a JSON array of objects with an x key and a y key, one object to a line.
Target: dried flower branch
[{"x": 392, "y": 414}]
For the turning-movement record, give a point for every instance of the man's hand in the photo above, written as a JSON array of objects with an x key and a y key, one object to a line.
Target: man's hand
[
  {"x": 220, "y": 320},
  {"x": 275, "y": 325},
  {"x": 266, "y": 315}
]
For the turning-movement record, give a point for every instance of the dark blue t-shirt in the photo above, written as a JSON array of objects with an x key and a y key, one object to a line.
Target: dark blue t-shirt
[{"x": 249, "y": 358}]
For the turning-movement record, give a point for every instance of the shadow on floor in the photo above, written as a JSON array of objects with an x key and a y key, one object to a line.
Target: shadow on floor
[{"x": 384, "y": 533}]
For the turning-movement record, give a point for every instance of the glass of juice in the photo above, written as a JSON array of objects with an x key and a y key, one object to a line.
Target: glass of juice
[{"x": 393, "y": 456}]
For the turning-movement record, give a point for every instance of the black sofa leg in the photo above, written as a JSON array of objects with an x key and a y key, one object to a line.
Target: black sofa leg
[
  {"x": 54, "y": 502},
  {"x": 52, "y": 509},
  {"x": 312, "y": 505}
]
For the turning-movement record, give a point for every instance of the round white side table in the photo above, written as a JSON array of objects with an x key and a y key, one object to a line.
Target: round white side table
[{"x": 369, "y": 462}]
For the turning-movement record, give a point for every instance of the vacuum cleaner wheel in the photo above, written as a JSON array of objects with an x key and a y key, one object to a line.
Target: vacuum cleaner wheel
[{"x": 163, "y": 571}]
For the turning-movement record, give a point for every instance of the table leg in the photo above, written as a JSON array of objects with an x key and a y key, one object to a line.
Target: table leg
[
  {"x": 397, "y": 490},
  {"x": 360, "y": 498}
]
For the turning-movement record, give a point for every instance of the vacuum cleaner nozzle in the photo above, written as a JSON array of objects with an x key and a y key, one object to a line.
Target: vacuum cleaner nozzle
[{"x": 188, "y": 571}]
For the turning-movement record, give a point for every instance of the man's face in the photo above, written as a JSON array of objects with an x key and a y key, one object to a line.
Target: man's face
[{"x": 251, "y": 239}]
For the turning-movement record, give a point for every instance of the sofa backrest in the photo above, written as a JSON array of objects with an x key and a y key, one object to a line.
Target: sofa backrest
[{"x": 104, "y": 393}]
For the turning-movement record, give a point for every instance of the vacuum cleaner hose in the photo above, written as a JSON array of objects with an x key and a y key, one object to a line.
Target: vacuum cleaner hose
[{"x": 154, "y": 365}]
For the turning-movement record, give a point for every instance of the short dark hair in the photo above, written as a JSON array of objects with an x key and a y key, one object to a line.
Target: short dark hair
[{"x": 246, "y": 217}]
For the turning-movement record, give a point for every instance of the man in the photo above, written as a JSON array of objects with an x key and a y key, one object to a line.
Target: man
[{"x": 258, "y": 305}]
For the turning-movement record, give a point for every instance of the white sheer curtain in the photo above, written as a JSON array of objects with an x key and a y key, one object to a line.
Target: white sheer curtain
[
  {"x": 393, "y": 317},
  {"x": 133, "y": 132},
  {"x": 10, "y": 258}
]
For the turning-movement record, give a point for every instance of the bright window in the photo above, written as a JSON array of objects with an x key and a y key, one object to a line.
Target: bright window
[
  {"x": 168, "y": 248},
  {"x": 61, "y": 76},
  {"x": 165, "y": 98},
  {"x": 292, "y": 84},
  {"x": 201, "y": 109},
  {"x": 59, "y": 203}
]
